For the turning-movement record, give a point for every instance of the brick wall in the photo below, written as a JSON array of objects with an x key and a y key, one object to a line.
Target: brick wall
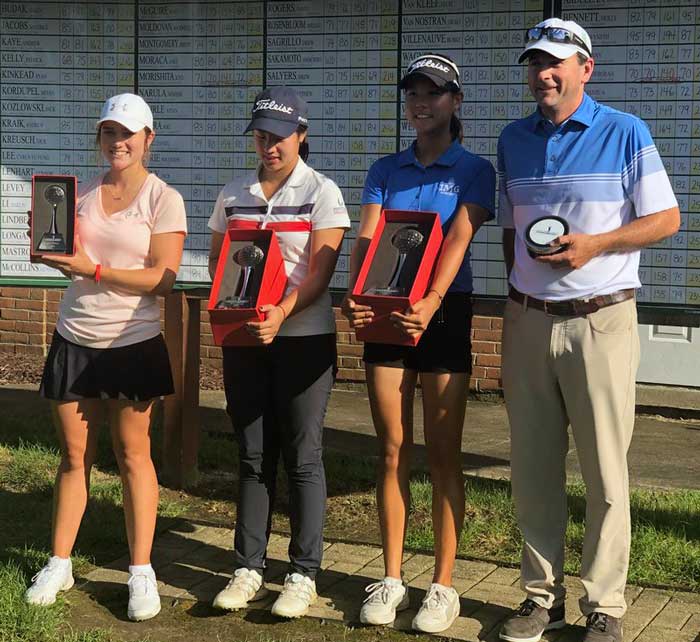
[{"x": 28, "y": 317}]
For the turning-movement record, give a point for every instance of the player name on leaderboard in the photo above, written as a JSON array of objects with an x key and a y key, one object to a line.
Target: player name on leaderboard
[{"x": 200, "y": 64}]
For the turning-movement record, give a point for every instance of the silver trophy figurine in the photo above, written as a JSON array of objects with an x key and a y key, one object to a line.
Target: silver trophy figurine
[
  {"x": 53, "y": 241},
  {"x": 247, "y": 257},
  {"x": 404, "y": 240}
]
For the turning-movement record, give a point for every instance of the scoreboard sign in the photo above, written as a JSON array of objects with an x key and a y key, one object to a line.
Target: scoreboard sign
[{"x": 199, "y": 65}]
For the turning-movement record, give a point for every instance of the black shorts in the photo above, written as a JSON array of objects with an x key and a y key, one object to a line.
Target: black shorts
[
  {"x": 444, "y": 347},
  {"x": 137, "y": 372}
]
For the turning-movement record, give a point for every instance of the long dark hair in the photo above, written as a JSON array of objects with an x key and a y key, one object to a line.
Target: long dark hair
[
  {"x": 456, "y": 129},
  {"x": 304, "y": 145}
]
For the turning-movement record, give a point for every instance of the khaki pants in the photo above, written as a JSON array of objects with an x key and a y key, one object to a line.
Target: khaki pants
[{"x": 579, "y": 371}]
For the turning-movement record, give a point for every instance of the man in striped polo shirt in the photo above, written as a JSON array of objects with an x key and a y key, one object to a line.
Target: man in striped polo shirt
[{"x": 570, "y": 343}]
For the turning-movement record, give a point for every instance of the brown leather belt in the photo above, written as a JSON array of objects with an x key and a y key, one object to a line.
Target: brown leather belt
[{"x": 571, "y": 307}]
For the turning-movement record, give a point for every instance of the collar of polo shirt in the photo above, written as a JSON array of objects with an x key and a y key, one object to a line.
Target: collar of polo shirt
[
  {"x": 583, "y": 114},
  {"x": 448, "y": 158}
]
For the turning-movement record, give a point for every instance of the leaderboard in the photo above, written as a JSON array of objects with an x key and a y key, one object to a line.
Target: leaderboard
[
  {"x": 58, "y": 62},
  {"x": 200, "y": 64}
]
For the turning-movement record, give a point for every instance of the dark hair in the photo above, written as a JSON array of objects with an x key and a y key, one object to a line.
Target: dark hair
[
  {"x": 304, "y": 145},
  {"x": 582, "y": 58},
  {"x": 456, "y": 129}
]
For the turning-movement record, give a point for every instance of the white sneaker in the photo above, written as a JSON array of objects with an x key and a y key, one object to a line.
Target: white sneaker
[
  {"x": 245, "y": 586},
  {"x": 56, "y": 576},
  {"x": 384, "y": 599},
  {"x": 298, "y": 594},
  {"x": 439, "y": 610},
  {"x": 144, "y": 601}
]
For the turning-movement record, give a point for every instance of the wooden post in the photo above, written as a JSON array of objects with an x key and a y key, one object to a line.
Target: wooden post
[{"x": 181, "y": 410}]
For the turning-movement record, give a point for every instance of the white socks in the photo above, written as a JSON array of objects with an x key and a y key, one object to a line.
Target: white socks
[
  {"x": 57, "y": 561},
  {"x": 141, "y": 569}
]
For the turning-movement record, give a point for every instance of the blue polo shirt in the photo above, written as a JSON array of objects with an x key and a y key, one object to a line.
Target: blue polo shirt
[
  {"x": 399, "y": 181},
  {"x": 599, "y": 170}
]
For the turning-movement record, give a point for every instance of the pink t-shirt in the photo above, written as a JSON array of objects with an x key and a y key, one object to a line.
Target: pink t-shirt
[{"x": 98, "y": 315}]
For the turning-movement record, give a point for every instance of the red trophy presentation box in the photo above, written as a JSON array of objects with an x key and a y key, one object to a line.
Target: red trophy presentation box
[
  {"x": 52, "y": 227},
  {"x": 397, "y": 270},
  {"x": 249, "y": 274}
]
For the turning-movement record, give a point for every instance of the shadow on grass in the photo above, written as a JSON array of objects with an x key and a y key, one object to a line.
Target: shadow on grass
[
  {"x": 25, "y": 417},
  {"x": 25, "y": 534},
  {"x": 350, "y": 460}
]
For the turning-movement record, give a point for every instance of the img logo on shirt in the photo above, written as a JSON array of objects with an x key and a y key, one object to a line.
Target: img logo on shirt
[{"x": 449, "y": 187}]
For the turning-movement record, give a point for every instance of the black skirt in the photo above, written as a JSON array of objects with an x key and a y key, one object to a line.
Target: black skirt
[{"x": 136, "y": 372}]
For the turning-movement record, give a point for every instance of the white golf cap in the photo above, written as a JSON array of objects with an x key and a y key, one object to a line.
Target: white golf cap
[
  {"x": 128, "y": 110},
  {"x": 561, "y": 50}
]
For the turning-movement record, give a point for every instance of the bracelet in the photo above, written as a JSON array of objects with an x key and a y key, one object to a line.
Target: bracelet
[
  {"x": 284, "y": 312},
  {"x": 98, "y": 272},
  {"x": 436, "y": 292}
]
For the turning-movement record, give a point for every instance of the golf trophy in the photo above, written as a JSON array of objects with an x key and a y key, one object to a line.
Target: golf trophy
[
  {"x": 53, "y": 241},
  {"x": 250, "y": 274},
  {"x": 389, "y": 283},
  {"x": 248, "y": 257},
  {"x": 542, "y": 232},
  {"x": 404, "y": 240}
]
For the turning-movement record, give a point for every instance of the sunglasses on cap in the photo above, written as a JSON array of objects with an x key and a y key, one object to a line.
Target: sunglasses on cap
[{"x": 555, "y": 34}]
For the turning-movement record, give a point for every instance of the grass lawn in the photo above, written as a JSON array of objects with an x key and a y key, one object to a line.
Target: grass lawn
[{"x": 665, "y": 549}]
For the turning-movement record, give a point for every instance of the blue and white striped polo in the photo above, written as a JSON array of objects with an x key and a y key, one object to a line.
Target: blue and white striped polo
[{"x": 599, "y": 170}]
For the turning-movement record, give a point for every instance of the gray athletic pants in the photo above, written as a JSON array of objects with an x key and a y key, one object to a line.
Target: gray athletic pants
[{"x": 277, "y": 397}]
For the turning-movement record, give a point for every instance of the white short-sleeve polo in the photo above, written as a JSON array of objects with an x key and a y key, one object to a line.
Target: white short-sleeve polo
[{"x": 307, "y": 196}]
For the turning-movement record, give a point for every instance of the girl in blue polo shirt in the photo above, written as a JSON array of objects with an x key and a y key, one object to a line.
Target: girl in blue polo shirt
[{"x": 434, "y": 174}]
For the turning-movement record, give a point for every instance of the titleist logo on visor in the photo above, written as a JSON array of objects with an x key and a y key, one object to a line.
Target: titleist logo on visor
[
  {"x": 272, "y": 105},
  {"x": 428, "y": 62}
]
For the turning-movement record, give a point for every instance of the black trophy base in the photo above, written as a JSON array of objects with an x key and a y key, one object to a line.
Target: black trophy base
[
  {"x": 554, "y": 250},
  {"x": 52, "y": 243}
]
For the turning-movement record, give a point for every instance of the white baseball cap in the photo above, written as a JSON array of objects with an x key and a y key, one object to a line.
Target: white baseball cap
[
  {"x": 560, "y": 38},
  {"x": 128, "y": 110}
]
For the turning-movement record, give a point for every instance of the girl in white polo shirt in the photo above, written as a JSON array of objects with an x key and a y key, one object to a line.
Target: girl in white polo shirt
[
  {"x": 108, "y": 358},
  {"x": 277, "y": 392}
]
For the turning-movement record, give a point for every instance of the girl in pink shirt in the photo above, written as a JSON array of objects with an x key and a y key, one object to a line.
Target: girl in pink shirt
[{"x": 108, "y": 357}]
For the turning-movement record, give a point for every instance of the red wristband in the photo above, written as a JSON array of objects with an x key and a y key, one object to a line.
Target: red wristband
[{"x": 98, "y": 272}]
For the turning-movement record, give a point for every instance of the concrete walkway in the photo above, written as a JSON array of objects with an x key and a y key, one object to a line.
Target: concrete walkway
[
  {"x": 194, "y": 562},
  {"x": 663, "y": 453}
]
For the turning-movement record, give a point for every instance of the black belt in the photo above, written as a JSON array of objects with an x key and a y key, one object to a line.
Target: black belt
[{"x": 571, "y": 307}]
